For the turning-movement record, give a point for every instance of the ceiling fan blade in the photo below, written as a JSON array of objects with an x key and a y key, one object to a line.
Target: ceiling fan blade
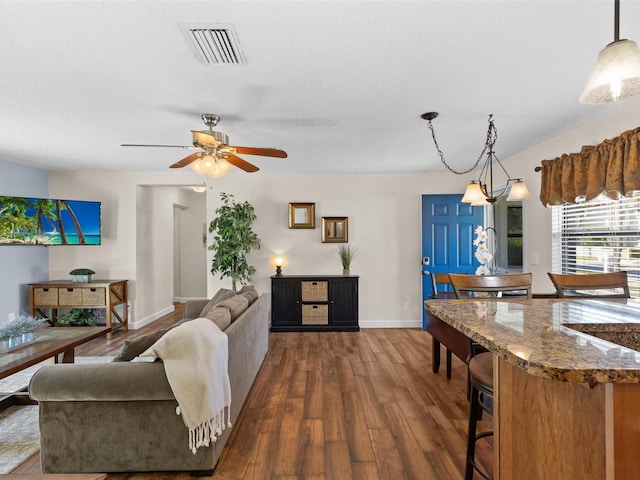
[
  {"x": 190, "y": 147},
  {"x": 265, "y": 152},
  {"x": 204, "y": 138},
  {"x": 240, "y": 163},
  {"x": 187, "y": 160}
]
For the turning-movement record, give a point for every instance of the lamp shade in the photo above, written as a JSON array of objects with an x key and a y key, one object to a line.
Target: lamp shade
[
  {"x": 212, "y": 166},
  {"x": 474, "y": 195},
  {"x": 616, "y": 76},
  {"x": 519, "y": 191}
]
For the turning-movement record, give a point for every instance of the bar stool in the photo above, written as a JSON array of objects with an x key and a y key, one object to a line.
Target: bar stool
[
  {"x": 480, "y": 365},
  {"x": 481, "y": 377}
]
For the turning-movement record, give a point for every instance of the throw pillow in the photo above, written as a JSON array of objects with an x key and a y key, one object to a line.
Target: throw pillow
[
  {"x": 221, "y": 316},
  {"x": 134, "y": 347},
  {"x": 250, "y": 295},
  {"x": 236, "y": 305},
  {"x": 247, "y": 288},
  {"x": 220, "y": 295}
]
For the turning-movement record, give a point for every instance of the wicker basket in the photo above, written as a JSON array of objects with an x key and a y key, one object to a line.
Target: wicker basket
[
  {"x": 314, "y": 291},
  {"x": 94, "y": 296},
  {"x": 70, "y": 296},
  {"x": 45, "y": 297},
  {"x": 315, "y": 314}
]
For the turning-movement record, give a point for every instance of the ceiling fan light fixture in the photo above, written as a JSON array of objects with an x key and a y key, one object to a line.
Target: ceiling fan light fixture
[{"x": 212, "y": 166}]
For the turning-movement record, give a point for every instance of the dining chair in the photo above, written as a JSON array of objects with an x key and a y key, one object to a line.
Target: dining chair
[
  {"x": 442, "y": 288},
  {"x": 480, "y": 365},
  {"x": 511, "y": 284},
  {"x": 611, "y": 285}
]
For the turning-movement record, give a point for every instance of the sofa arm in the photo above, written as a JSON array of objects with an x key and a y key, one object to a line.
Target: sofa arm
[
  {"x": 194, "y": 306},
  {"x": 117, "y": 381}
]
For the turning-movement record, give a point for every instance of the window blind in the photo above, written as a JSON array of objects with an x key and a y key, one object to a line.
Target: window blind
[{"x": 598, "y": 236}]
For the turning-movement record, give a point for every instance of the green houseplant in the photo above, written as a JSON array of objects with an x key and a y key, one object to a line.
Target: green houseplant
[
  {"x": 233, "y": 240},
  {"x": 347, "y": 256},
  {"x": 76, "y": 317}
]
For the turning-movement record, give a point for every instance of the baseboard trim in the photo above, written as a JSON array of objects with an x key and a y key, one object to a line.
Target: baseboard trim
[
  {"x": 147, "y": 320},
  {"x": 391, "y": 324}
]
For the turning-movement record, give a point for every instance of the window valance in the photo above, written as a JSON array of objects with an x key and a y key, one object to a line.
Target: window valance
[{"x": 612, "y": 168}]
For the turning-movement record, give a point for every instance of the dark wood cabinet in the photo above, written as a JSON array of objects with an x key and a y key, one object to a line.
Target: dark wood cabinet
[{"x": 315, "y": 303}]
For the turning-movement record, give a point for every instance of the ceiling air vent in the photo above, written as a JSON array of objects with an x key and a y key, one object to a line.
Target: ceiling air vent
[{"x": 215, "y": 44}]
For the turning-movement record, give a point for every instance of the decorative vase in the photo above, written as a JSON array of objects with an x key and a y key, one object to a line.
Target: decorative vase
[
  {"x": 345, "y": 272},
  {"x": 81, "y": 278}
]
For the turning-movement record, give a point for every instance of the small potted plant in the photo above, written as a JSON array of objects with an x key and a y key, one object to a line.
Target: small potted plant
[
  {"x": 76, "y": 317},
  {"x": 81, "y": 275},
  {"x": 347, "y": 256}
]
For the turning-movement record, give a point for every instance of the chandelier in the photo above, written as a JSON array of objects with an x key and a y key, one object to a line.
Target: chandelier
[
  {"x": 617, "y": 72},
  {"x": 481, "y": 191}
]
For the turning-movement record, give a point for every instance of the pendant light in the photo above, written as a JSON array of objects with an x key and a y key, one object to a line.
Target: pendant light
[
  {"x": 481, "y": 191},
  {"x": 617, "y": 72}
]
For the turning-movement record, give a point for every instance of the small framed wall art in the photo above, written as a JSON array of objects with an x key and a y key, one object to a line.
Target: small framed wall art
[
  {"x": 335, "y": 230},
  {"x": 302, "y": 215}
]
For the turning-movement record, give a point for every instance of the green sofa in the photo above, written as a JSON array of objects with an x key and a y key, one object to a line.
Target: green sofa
[{"x": 121, "y": 416}]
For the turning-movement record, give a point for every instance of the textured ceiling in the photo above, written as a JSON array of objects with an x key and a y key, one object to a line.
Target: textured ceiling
[{"x": 339, "y": 85}]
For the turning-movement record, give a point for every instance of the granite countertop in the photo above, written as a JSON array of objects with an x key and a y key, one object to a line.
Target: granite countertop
[{"x": 559, "y": 339}]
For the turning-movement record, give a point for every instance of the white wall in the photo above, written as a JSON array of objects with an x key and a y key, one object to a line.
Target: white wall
[
  {"x": 21, "y": 264},
  {"x": 384, "y": 224},
  {"x": 192, "y": 261},
  {"x": 127, "y": 238}
]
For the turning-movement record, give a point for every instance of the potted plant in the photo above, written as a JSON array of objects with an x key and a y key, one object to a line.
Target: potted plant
[
  {"x": 76, "y": 317},
  {"x": 19, "y": 331},
  {"x": 233, "y": 240},
  {"x": 81, "y": 275},
  {"x": 347, "y": 256}
]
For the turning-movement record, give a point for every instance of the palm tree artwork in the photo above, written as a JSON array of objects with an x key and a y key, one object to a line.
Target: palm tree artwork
[{"x": 38, "y": 221}]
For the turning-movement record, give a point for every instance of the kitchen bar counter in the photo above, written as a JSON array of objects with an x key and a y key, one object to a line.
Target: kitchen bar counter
[
  {"x": 554, "y": 338},
  {"x": 567, "y": 398}
]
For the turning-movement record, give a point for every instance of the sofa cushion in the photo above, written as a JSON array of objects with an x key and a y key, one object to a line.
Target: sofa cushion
[
  {"x": 134, "y": 347},
  {"x": 219, "y": 315},
  {"x": 236, "y": 305},
  {"x": 220, "y": 295},
  {"x": 250, "y": 295}
]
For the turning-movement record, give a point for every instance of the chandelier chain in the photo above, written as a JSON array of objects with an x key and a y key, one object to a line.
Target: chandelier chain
[{"x": 492, "y": 136}]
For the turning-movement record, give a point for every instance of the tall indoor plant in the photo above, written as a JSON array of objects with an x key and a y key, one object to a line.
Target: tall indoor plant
[{"x": 233, "y": 240}]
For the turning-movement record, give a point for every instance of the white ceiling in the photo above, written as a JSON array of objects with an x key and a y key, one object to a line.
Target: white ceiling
[{"x": 339, "y": 85}]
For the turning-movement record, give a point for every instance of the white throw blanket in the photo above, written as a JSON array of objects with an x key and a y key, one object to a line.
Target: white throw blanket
[{"x": 195, "y": 356}]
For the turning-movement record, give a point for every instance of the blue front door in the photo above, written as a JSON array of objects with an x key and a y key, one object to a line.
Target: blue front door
[{"x": 447, "y": 238}]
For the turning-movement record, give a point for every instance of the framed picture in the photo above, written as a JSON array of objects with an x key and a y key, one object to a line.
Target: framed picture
[
  {"x": 302, "y": 215},
  {"x": 334, "y": 230}
]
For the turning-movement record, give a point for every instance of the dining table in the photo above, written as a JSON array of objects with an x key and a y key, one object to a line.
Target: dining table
[{"x": 566, "y": 382}]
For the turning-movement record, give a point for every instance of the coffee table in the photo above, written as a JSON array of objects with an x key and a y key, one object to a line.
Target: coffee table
[{"x": 49, "y": 342}]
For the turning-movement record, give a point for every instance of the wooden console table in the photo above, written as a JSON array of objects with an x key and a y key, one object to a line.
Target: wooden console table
[{"x": 46, "y": 298}]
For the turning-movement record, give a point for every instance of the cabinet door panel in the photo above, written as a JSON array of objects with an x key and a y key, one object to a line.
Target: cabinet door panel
[
  {"x": 285, "y": 302},
  {"x": 344, "y": 301}
]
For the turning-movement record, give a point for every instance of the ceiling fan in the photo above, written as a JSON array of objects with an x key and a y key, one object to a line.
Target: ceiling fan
[{"x": 216, "y": 157}]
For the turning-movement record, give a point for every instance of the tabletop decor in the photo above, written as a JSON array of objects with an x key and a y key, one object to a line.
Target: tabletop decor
[
  {"x": 19, "y": 331},
  {"x": 347, "y": 255},
  {"x": 482, "y": 254},
  {"x": 81, "y": 275}
]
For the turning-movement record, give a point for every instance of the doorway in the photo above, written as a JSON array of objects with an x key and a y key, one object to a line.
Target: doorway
[{"x": 447, "y": 238}]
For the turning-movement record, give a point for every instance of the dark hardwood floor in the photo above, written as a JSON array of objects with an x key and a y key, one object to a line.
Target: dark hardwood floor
[{"x": 338, "y": 405}]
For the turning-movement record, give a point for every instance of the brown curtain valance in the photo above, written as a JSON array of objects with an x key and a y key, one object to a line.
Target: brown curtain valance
[{"x": 612, "y": 168}]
